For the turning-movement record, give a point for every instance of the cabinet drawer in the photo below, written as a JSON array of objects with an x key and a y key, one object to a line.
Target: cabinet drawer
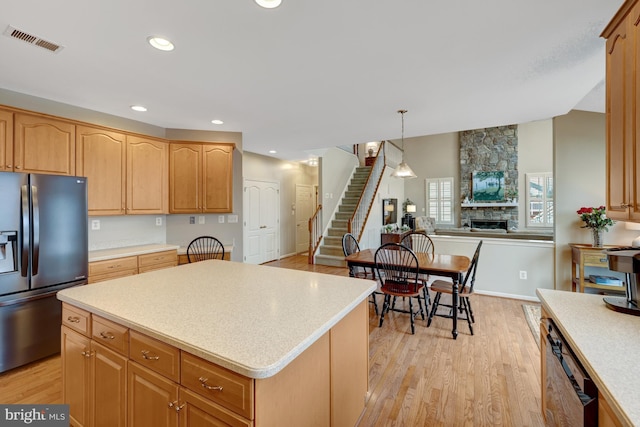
[
  {"x": 202, "y": 412},
  {"x": 157, "y": 266},
  {"x": 155, "y": 355},
  {"x": 596, "y": 259},
  {"x": 112, "y": 275},
  {"x": 76, "y": 319},
  {"x": 110, "y": 334},
  {"x": 158, "y": 258},
  {"x": 220, "y": 385},
  {"x": 111, "y": 265}
]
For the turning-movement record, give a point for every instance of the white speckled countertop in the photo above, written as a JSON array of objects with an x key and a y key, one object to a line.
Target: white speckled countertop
[
  {"x": 104, "y": 254},
  {"x": 606, "y": 342},
  {"x": 251, "y": 319}
]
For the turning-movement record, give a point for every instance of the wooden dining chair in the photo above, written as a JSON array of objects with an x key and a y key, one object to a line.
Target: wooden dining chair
[
  {"x": 420, "y": 242},
  {"x": 350, "y": 246},
  {"x": 397, "y": 268},
  {"x": 203, "y": 248},
  {"x": 465, "y": 290}
]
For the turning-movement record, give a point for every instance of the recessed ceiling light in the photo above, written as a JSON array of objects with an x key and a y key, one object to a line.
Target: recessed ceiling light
[
  {"x": 217, "y": 122},
  {"x": 160, "y": 43},
  {"x": 138, "y": 108},
  {"x": 272, "y": 151},
  {"x": 269, "y": 4}
]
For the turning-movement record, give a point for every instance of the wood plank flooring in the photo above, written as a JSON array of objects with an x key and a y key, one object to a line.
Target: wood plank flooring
[{"x": 428, "y": 379}]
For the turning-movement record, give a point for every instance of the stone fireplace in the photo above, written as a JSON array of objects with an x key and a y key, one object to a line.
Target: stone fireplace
[
  {"x": 489, "y": 149},
  {"x": 490, "y": 224}
]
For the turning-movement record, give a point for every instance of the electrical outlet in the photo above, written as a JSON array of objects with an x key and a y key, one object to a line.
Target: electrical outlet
[
  {"x": 201, "y": 219},
  {"x": 220, "y": 219},
  {"x": 95, "y": 224},
  {"x": 523, "y": 275},
  {"x": 232, "y": 218},
  {"x": 158, "y": 220},
  {"x": 192, "y": 220}
]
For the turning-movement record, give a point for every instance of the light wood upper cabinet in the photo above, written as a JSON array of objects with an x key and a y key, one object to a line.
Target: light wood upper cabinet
[
  {"x": 623, "y": 94},
  {"x": 43, "y": 145},
  {"x": 217, "y": 178},
  {"x": 201, "y": 178},
  {"x": 147, "y": 176},
  {"x": 100, "y": 156},
  {"x": 185, "y": 178},
  {"x": 6, "y": 141}
]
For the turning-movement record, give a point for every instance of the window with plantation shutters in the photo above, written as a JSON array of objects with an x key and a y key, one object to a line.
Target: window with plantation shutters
[
  {"x": 540, "y": 200},
  {"x": 439, "y": 197}
]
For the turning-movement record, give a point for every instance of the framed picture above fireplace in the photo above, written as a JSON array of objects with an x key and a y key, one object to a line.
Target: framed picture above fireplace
[{"x": 488, "y": 186}]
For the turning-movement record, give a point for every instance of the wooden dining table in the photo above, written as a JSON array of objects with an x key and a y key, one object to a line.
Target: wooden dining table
[{"x": 453, "y": 266}]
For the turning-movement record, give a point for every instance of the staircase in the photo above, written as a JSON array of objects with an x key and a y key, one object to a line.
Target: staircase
[{"x": 330, "y": 251}]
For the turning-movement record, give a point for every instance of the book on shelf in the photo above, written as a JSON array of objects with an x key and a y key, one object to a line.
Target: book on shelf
[{"x": 605, "y": 280}]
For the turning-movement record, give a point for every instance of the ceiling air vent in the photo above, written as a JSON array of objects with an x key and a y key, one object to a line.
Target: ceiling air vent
[{"x": 31, "y": 39}]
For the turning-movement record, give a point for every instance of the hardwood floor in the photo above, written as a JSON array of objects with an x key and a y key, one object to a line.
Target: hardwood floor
[{"x": 428, "y": 379}]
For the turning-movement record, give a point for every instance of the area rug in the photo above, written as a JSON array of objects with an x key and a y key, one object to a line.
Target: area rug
[{"x": 532, "y": 314}]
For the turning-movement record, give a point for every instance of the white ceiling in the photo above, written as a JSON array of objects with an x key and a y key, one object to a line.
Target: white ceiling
[{"x": 314, "y": 74}]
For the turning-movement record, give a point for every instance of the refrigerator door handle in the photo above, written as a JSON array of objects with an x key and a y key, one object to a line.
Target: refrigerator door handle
[
  {"x": 36, "y": 230},
  {"x": 24, "y": 249}
]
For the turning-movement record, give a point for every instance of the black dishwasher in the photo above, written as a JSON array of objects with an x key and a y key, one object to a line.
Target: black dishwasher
[{"x": 571, "y": 397}]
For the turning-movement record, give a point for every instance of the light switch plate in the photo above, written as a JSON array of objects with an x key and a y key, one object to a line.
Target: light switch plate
[
  {"x": 95, "y": 224},
  {"x": 201, "y": 219}
]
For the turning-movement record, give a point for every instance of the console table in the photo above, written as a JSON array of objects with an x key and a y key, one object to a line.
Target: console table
[
  {"x": 393, "y": 237},
  {"x": 584, "y": 255}
]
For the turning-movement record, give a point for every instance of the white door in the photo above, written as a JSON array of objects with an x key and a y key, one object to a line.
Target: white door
[
  {"x": 304, "y": 209},
  {"x": 261, "y": 221}
]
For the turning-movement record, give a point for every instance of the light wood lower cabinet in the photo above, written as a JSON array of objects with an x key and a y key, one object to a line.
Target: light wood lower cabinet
[
  {"x": 164, "y": 386},
  {"x": 128, "y": 266}
]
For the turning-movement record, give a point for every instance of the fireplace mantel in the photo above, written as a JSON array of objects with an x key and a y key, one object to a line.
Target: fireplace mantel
[{"x": 490, "y": 205}]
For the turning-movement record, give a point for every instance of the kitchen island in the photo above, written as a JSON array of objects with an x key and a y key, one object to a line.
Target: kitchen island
[
  {"x": 607, "y": 343},
  {"x": 264, "y": 346}
]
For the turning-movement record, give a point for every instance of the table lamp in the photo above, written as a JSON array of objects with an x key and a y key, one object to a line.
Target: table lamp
[
  {"x": 408, "y": 218},
  {"x": 633, "y": 226}
]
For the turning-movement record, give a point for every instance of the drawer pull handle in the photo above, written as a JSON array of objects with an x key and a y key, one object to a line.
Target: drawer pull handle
[
  {"x": 145, "y": 355},
  {"x": 114, "y": 266},
  {"x": 203, "y": 382},
  {"x": 107, "y": 335},
  {"x": 73, "y": 319}
]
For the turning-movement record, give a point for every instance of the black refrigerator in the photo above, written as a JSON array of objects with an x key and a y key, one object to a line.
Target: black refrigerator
[{"x": 43, "y": 249}]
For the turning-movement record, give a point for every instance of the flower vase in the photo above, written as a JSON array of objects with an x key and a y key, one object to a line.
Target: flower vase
[{"x": 597, "y": 237}]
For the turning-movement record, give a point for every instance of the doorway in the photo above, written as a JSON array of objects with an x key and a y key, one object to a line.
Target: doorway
[
  {"x": 261, "y": 221},
  {"x": 305, "y": 201}
]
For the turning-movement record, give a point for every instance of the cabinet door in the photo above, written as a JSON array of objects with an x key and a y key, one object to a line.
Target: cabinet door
[
  {"x": 632, "y": 116},
  {"x": 152, "y": 398},
  {"x": 147, "y": 170},
  {"x": 6, "y": 141},
  {"x": 617, "y": 136},
  {"x": 44, "y": 145},
  {"x": 108, "y": 392},
  {"x": 185, "y": 178},
  {"x": 76, "y": 378},
  {"x": 100, "y": 156},
  {"x": 218, "y": 178}
]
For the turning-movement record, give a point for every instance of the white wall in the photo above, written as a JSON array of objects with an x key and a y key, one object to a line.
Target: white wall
[
  {"x": 433, "y": 156},
  {"x": 336, "y": 167},
  {"x": 580, "y": 180},
  {"x": 535, "y": 155},
  {"x": 501, "y": 261}
]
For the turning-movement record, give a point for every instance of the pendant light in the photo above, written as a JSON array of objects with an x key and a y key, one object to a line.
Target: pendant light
[{"x": 403, "y": 170}]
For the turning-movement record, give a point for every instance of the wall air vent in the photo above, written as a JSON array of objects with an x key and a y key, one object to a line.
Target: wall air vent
[{"x": 31, "y": 39}]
